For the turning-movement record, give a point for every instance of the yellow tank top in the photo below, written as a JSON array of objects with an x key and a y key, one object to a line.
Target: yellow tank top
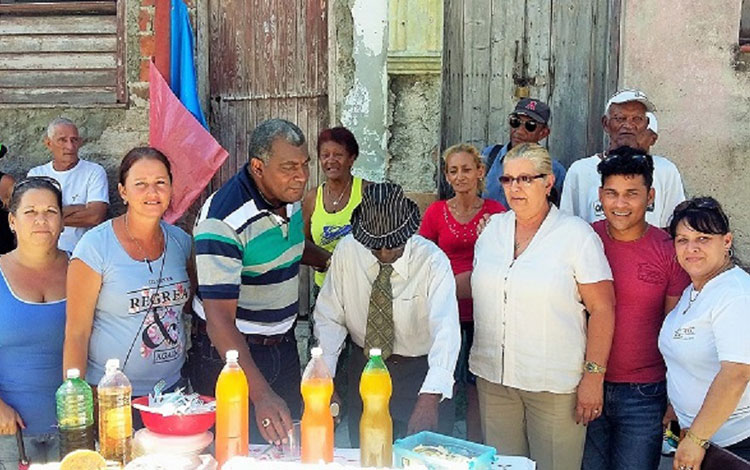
[{"x": 328, "y": 228}]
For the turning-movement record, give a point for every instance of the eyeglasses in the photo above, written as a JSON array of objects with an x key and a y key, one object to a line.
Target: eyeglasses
[
  {"x": 525, "y": 180},
  {"x": 613, "y": 156},
  {"x": 530, "y": 125},
  {"x": 41, "y": 179}
]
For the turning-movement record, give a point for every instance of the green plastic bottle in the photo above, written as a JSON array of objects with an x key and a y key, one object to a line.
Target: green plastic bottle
[{"x": 75, "y": 414}]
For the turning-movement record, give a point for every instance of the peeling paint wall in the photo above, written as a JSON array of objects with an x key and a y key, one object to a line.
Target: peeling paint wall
[
  {"x": 365, "y": 105},
  {"x": 108, "y": 132},
  {"x": 396, "y": 118},
  {"x": 692, "y": 72}
]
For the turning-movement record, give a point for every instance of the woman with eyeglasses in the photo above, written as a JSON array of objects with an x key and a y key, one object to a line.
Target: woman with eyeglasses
[
  {"x": 128, "y": 284},
  {"x": 452, "y": 225},
  {"x": 32, "y": 320},
  {"x": 539, "y": 363},
  {"x": 704, "y": 339}
]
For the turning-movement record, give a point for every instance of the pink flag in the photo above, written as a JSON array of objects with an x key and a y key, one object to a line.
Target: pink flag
[{"x": 193, "y": 152}]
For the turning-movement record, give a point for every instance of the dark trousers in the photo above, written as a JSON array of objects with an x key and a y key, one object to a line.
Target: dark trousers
[
  {"x": 279, "y": 365},
  {"x": 407, "y": 375}
]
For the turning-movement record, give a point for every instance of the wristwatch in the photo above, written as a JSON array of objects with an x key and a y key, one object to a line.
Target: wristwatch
[
  {"x": 593, "y": 368},
  {"x": 704, "y": 443}
]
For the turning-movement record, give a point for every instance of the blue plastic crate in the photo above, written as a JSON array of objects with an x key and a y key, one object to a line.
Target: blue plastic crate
[{"x": 480, "y": 456}]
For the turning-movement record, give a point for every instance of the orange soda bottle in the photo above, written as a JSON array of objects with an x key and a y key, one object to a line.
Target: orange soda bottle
[
  {"x": 317, "y": 422},
  {"x": 376, "y": 426},
  {"x": 232, "y": 435}
]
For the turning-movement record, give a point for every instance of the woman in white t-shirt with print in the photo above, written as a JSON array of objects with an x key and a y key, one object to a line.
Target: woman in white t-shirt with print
[
  {"x": 704, "y": 338},
  {"x": 128, "y": 284},
  {"x": 536, "y": 273}
]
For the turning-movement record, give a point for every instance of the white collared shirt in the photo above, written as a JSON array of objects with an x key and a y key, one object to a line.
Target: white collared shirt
[
  {"x": 580, "y": 194},
  {"x": 529, "y": 319},
  {"x": 425, "y": 310},
  {"x": 696, "y": 337}
]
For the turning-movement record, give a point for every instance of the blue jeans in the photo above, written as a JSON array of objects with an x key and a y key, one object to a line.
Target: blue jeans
[
  {"x": 41, "y": 448},
  {"x": 628, "y": 433},
  {"x": 279, "y": 365}
]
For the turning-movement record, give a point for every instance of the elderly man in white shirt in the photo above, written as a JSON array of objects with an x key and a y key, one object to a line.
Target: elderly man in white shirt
[
  {"x": 392, "y": 289},
  {"x": 628, "y": 121}
]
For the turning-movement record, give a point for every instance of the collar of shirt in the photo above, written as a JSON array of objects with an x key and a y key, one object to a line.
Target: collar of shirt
[
  {"x": 400, "y": 266},
  {"x": 252, "y": 192}
]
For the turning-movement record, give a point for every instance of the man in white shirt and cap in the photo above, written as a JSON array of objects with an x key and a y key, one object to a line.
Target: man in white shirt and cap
[
  {"x": 389, "y": 288},
  {"x": 628, "y": 121}
]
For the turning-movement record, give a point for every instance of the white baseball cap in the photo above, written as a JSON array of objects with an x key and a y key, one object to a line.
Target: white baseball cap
[
  {"x": 624, "y": 96},
  {"x": 653, "y": 124}
]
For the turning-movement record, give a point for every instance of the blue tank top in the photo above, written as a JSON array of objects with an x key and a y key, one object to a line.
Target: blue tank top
[{"x": 31, "y": 344}]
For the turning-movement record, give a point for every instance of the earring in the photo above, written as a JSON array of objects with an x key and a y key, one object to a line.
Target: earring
[{"x": 730, "y": 252}]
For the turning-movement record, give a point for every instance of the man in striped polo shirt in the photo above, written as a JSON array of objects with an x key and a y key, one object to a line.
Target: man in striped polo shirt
[{"x": 249, "y": 244}]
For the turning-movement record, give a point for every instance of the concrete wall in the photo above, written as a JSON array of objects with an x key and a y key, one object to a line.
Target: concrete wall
[
  {"x": 108, "y": 132},
  {"x": 684, "y": 55},
  {"x": 400, "y": 144}
]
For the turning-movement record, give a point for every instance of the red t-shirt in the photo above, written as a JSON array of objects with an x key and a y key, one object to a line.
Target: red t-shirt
[
  {"x": 645, "y": 272},
  {"x": 456, "y": 240}
]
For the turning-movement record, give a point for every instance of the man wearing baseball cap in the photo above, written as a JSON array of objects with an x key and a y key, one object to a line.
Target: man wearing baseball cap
[
  {"x": 628, "y": 120},
  {"x": 529, "y": 123},
  {"x": 392, "y": 289}
]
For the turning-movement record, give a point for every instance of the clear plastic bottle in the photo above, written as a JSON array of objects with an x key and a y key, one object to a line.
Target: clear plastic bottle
[
  {"x": 115, "y": 419},
  {"x": 75, "y": 413},
  {"x": 317, "y": 422},
  {"x": 232, "y": 407},
  {"x": 376, "y": 425}
]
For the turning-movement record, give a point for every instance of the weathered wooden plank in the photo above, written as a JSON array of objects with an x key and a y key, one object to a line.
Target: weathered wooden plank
[
  {"x": 452, "y": 86},
  {"x": 476, "y": 71},
  {"x": 83, "y": 24},
  {"x": 571, "y": 53},
  {"x": 59, "y": 7},
  {"x": 604, "y": 59},
  {"x": 537, "y": 50},
  {"x": 506, "y": 59},
  {"x": 57, "y": 78},
  {"x": 71, "y": 96},
  {"x": 58, "y": 61},
  {"x": 62, "y": 43}
]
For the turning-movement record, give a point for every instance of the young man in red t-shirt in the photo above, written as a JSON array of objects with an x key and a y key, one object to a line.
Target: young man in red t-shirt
[{"x": 648, "y": 283}]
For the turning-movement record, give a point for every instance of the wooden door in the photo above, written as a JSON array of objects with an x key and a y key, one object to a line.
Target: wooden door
[
  {"x": 564, "y": 52},
  {"x": 267, "y": 59}
]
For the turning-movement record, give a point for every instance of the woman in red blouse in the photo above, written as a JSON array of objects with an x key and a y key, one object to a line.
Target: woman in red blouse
[{"x": 452, "y": 225}]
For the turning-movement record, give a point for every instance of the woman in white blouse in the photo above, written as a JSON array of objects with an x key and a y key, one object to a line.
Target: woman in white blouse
[
  {"x": 704, "y": 338},
  {"x": 537, "y": 272}
]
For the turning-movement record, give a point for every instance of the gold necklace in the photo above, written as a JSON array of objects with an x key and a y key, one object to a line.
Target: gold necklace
[
  {"x": 138, "y": 244},
  {"x": 343, "y": 191}
]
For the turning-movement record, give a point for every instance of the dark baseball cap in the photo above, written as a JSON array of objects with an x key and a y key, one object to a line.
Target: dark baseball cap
[{"x": 533, "y": 108}]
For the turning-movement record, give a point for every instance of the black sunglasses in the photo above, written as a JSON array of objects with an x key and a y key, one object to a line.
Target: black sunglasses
[{"x": 530, "y": 125}]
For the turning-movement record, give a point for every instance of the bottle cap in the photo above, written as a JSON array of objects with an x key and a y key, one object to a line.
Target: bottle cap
[
  {"x": 73, "y": 373},
  {"x": 112, "y": 365},
  {"x": 232, "y": 355},
  {"x": 316, "y": 352},
  {"x": 375, "y": 352}
]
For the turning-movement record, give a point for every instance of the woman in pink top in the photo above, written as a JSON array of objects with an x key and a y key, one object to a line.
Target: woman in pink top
[{"x": 452, "y": 225}]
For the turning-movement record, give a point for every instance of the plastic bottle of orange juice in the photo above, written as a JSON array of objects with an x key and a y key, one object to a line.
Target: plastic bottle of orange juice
[
  {"x": 376, "y": 426},
  {"x": 317, "y": 422},
  {"x": 232, "y": 436}
]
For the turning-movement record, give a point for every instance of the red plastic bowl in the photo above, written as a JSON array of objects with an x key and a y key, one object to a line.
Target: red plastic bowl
[{"x": 177, "y": 425}]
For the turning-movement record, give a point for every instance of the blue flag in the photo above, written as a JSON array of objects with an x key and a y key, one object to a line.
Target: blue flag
[{"x": 181, "y": 63}]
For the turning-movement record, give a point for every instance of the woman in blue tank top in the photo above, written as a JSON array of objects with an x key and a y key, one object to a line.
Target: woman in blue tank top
[{"x": 33, "y": 322}]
